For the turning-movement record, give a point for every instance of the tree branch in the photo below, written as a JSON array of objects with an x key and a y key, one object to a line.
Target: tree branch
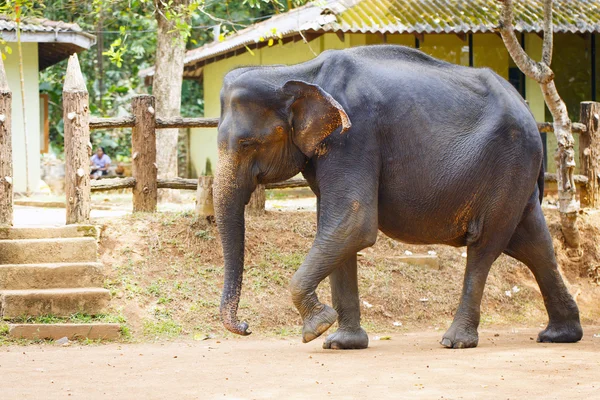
[
  {"x": 548, "y": 33},
  {"x": 539, "y": 72}
]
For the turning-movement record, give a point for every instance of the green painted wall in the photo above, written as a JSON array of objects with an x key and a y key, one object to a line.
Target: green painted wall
[
  {"x": 446, "y": 47},
  {"x": 32, "y": 97},
  {"x": 489, "y": 51}
]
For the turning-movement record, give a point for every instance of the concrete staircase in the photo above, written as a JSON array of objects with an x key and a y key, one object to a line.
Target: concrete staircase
[{"x": 52, "y": 271}]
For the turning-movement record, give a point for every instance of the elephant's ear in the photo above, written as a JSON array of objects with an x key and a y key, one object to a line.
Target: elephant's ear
[{"x": 314, "y": 113}]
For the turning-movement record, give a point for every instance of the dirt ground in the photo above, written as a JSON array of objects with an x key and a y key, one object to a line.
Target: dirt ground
[{"x": 508, "y": 364}]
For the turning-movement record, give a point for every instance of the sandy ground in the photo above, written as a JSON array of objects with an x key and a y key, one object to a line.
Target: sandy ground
[{"x": 507, "y": 365}]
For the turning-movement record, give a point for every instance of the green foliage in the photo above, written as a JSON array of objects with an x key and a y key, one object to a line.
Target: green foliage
[
  {"x": 17, "y": 10},
  {"x": 7, "y": 48}
]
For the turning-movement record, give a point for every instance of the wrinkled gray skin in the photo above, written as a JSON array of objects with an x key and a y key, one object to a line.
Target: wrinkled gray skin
[{"x": 390, "y": 139}]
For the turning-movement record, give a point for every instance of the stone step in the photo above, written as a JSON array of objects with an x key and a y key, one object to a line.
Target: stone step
[
  {"x": 51, "y": 276},
  {"x": 95, "y": 331},
  {"x": 34, "y": 251},
  {"x": 57, "y": 302},
  {"x": 50, "y": 232},
  {"x": 92, "y": 331}
]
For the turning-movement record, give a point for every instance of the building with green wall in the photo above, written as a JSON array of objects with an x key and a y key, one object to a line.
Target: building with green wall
[
  {"x": 44, "y": 43},
  {"x": 461, "y": 32}
]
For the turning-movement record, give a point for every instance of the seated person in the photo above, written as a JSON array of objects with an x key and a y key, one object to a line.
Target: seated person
[{"x": 99, "y": 163}]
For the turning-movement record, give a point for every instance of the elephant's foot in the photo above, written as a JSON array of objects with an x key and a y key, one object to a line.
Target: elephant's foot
[
  {"x": 345, "y": 339},
  {"x": 561, "y": 332},
  {"x": 318, "y": 322},
  {"x": 460, "y": 336}
]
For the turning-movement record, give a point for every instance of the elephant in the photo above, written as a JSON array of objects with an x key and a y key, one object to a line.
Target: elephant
[{"x": 388, "y": 139}]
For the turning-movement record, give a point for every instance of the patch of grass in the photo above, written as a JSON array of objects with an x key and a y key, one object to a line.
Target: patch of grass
[
  {"x": 3, "y": 329},
  {"x": 77, "y": 318},
  {"x": 288, "y": 261},
  {"x": 200, "y": 304},
  {"x": 289, "y": 331},
  {"x": 126, "y": 333},
  {"x": 167, "y": 329},
  {"x": 155, "y": 288},
  {"x": 205, "y": 235}
]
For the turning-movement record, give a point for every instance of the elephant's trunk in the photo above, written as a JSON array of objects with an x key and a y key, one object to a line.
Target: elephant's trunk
[{"x": 229, "y": 204}]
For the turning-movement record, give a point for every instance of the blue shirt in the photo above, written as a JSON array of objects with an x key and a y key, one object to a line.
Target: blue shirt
[{"x": 100, "y": 162}]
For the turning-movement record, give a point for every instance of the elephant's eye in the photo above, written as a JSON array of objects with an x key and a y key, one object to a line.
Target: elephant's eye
[{"x": 246, "y": 143}]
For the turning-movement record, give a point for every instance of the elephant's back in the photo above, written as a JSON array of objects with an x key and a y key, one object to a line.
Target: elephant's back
[{"x": 455, "y": 144}]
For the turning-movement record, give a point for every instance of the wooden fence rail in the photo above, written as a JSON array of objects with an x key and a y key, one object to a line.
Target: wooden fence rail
[
  {"x": 161, "y": 123},
  {"x": 103, "y": 185}
]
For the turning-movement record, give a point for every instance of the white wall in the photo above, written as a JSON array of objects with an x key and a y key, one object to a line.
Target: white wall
[{"x": 32, "y": 109}]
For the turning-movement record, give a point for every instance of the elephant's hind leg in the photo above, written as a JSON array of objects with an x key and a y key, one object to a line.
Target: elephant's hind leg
[
  {"x": 532, "y": 245},
  {"x": 344, "y": 293},
  {"x": 463, "y": 331},
  {"x": 487, "y": 241}
]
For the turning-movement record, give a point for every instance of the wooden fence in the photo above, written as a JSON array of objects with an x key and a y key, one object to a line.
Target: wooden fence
[{"x": 146, "y": 125}]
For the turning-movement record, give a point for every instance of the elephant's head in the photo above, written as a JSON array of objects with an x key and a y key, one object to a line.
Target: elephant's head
[{"x": 267, "y": 133}]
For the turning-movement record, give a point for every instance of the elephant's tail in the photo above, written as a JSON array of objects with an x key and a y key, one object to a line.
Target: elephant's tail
[{"x": 540, "y": 183}]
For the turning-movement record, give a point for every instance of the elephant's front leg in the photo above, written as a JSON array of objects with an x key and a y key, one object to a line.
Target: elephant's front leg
[
  {"x": 344, "y": 292},
  {"x": 316, "y": 316},
  {"x": 340, "y": 236}
]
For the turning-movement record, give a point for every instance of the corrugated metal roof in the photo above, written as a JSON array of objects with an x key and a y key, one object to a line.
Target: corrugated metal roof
[
  {"x": 306, "y": 18},
  {"x": 466, "y": 16},
  {"x": 57, "y": 40},
  {"x": 405, "y": 16},
  {"x": 41, "y": 25}
]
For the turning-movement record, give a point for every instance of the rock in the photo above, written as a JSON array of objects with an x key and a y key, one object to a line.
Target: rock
[{"x": 63, "y": 340}]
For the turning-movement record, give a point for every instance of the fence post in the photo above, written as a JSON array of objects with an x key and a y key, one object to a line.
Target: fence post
[
  {"x": 77, "y": 144},
  {"x": 204, "y": 197},
  {"x": 257, "y": 200},
  {"x": 143, "y": 140},
  {"x": 589, "y": 152},
  {"x": 6, "y": 169}
]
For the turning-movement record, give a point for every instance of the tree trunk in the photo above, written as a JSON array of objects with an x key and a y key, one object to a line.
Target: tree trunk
[
  {"x": 589, "y": 151},
  {"x": 541, "y": 72},
  {"x": 204, "y": 197},
  {"x": 6, "y": 168},
  {"x": 568, "y": 206},
  {"x": 77, "y": 145},
  {"x": 257, "y": 202},
  {"x": 166, "y": 87}
]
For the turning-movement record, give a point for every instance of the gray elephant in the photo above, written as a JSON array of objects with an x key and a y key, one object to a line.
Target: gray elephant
[{"x": 389, "y": 139}]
